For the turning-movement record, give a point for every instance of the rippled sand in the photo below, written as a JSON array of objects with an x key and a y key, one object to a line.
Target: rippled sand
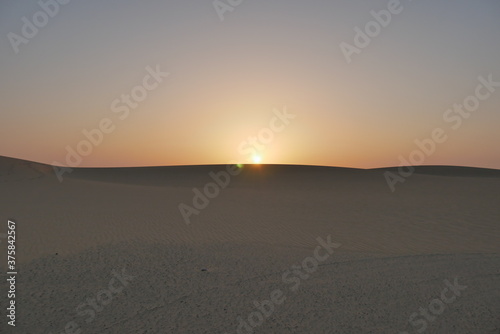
[{"x": 78, "y": 237}]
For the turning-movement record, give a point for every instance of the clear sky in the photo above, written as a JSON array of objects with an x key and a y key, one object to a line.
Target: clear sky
[{"x": 228, "y": 79}]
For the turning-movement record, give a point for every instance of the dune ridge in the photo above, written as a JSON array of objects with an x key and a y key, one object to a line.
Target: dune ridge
[{"x": 396, "y": 248}]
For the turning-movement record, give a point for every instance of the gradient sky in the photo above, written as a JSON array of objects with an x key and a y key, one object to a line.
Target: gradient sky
[{"x": 227, "y": 77}]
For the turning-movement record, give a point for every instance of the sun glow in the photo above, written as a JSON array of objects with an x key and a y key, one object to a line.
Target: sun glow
[{"x": 256, "y": 159}]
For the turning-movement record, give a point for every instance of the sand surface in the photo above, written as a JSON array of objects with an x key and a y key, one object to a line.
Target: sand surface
[{"x": 77, "y": 240}]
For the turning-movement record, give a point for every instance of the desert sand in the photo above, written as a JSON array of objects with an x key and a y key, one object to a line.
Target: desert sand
[{"x": 281, "y": 249}]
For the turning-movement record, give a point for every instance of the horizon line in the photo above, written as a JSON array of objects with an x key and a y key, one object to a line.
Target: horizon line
[{"x": 245, "y": 164}]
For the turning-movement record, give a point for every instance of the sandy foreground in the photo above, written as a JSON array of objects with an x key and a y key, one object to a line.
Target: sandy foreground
[{"x": 281, "y": 249}]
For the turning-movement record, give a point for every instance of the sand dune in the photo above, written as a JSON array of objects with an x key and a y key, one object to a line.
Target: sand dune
[
  {"x": 396, "y": 251},
  {"x": 452, "y": 171}
]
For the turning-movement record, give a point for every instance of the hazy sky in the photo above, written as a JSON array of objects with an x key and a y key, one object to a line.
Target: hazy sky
[{"x": 228, "y": 79}]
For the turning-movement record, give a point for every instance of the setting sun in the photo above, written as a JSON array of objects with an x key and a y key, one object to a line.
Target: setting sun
[
  {"x": 232, "y": 167},
  {"x": 256, "y": 159}
]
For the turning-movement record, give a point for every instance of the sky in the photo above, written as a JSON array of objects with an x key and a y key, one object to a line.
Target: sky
[{"x": 317, "y": 82}]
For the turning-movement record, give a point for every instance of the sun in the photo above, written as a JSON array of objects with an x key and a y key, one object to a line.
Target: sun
[{"x": 256, "y": 159}]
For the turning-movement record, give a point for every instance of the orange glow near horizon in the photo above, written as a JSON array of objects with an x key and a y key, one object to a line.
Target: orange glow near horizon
[{"x": 187, "y": 89}]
